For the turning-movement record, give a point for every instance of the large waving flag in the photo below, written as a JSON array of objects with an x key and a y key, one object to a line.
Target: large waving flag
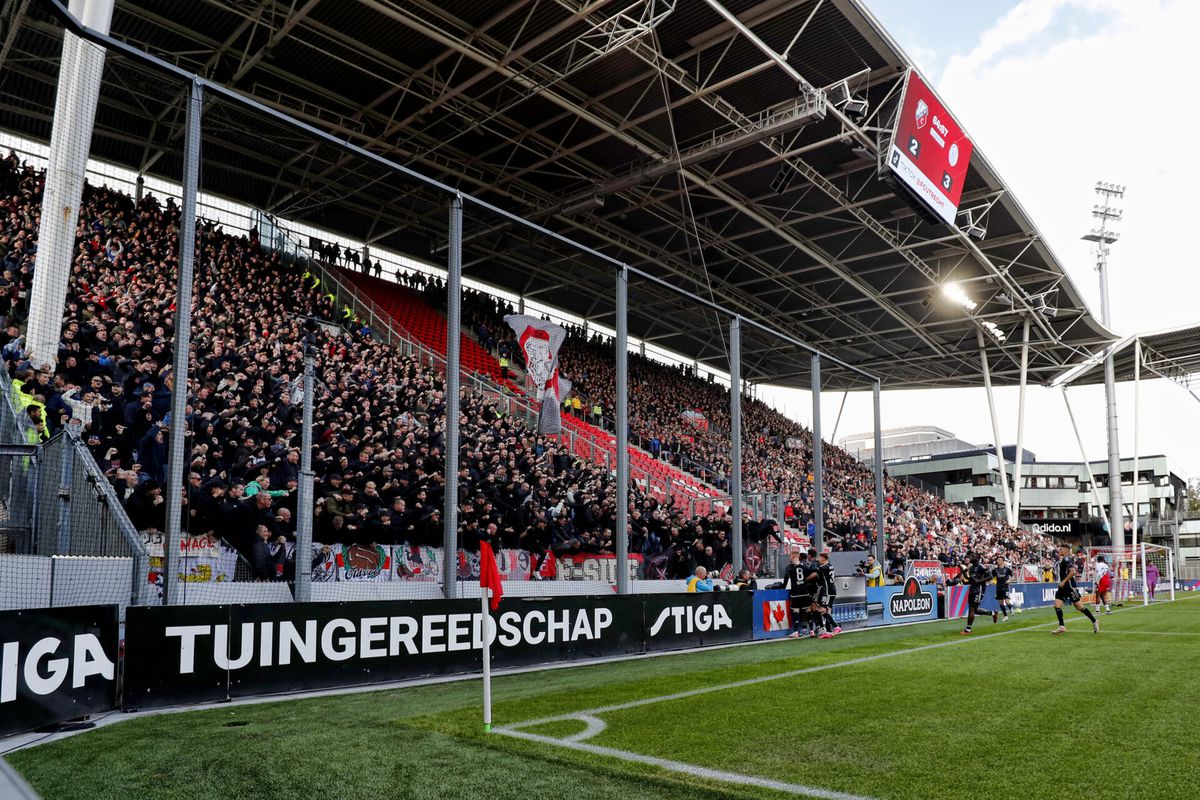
[{"x": 540, "y": 341}]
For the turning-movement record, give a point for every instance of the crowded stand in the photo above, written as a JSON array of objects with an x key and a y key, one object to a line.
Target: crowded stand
[
  {"x": 379, "y": 447},
  {"x": 378, "y": 457},
  {"x": 777, "y": 456}
]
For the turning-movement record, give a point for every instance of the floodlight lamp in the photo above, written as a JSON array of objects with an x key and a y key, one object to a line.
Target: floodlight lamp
[{"x": 954, "y": 292}]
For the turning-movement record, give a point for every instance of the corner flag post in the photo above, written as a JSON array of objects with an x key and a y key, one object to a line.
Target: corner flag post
[
  {"x": 490, "y": 592},
  {"x": 484, "y": 596}
]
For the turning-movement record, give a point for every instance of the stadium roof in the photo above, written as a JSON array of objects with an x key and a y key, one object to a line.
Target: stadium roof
[
  {"x": 1171, "y": 354},
  {"x": 650, "y": 130}
]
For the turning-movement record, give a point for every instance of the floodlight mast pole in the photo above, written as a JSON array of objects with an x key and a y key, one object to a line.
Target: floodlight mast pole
[{"x": 1103, "y": 237}]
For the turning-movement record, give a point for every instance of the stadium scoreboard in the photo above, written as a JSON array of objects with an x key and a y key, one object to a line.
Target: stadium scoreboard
[{"x": 930, "y": 152}]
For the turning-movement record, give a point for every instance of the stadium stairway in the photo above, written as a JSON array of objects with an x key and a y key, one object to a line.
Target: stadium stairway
[{"x": 411, "y": 314}]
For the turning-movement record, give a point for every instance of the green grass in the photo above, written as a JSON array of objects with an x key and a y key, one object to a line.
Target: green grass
[{"x": 1024, "y": 715}]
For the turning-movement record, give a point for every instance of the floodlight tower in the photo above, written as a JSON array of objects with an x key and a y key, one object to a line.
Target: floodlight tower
[{"x": 1104, "y": 236}]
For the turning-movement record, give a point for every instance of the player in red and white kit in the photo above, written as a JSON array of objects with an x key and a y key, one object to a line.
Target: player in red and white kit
[{"x": 1103, "y": 584}]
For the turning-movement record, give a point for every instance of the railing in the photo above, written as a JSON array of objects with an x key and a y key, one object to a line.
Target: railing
[{"x": 58, "y": 503}]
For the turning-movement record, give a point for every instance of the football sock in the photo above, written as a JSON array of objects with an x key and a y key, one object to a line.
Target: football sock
[
  {"x": 1061, "y": 622},
  {"x": 1087, "y": 612},
  {"x": 830, "y": 624}
]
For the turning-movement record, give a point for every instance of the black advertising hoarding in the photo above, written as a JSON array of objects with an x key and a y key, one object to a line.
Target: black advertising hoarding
[
  {"x": 693, "y": 620},
  {"x": 183, "y": 654},
  {"x": 56, "y": 664},
  {"x": 156, "y": 666}
]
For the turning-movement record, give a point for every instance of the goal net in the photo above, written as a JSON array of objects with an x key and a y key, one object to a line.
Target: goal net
[{"x": 1140, "y": 573}]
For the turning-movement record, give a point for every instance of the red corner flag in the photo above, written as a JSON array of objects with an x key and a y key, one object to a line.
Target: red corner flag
[{"x": 489, "y": 574}]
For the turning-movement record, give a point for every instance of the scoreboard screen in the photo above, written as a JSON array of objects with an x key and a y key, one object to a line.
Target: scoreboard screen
[{"x": 930, "y": 153}]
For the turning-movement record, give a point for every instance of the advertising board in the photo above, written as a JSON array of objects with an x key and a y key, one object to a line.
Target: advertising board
[{"x": 56, "y": 664}]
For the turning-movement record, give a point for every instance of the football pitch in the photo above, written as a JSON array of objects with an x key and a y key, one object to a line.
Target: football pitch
[{"x": 908, "y": 712}]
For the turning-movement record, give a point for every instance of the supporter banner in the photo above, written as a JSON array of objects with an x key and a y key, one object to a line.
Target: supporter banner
[
  {"x": 359, "y": 562},
  {"x": 926, "y": 571},
  {"x": 911, "y": 602},
  {"x": 363, "y": 562},
  {"x": 202, "y": 559},
  {"x": 539, "y": 342},
  {"x": 699, "y": 618},
  {"x": 1022, "y": 595},
  {"x": 794, "y": 443},
  {"x": 594, "y": 567},
  {"x": 56, "y": 664}
]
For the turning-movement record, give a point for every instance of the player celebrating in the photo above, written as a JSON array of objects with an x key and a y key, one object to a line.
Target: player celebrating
[
  {"x": 977, "y": 578},
  {"x": 1003, "y": 574},
  {"x": 1103, "y": 584},
  {"x": 823, "y": 599},
  {"x": 1067, "y": 592},
  {"x": 799, "y": 593}
]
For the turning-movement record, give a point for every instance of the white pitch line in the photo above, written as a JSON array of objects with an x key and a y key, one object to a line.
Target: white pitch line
[
  {"x": 645, "y": 701},
  {"x": 589, "y": 715},
  {"x": 691, "y": 770},
  {"x": 1105, "y": 632}
]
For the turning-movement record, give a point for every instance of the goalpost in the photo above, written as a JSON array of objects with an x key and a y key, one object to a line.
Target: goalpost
[{"x": 1137, "y": 572}]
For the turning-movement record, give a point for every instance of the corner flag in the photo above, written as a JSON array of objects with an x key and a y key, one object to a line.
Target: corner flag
[
  {"x": 489, "y": 575},
  {"x": 489, "y": 590}
]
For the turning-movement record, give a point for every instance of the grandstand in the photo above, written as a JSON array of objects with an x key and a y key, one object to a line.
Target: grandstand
[{"x": 268, "y": 367}]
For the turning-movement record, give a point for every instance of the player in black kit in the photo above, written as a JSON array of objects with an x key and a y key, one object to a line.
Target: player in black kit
[
  {"x": 977, "y": 579},
  {"x": 799, "y": 593},
  {"x": 823, "y": 600},
  {"x": 1067, "y": 592},
  {"x": 1003, "y": 574}
]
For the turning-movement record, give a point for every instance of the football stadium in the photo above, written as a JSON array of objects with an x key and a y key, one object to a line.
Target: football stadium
[{"x": 413, "y": 399}]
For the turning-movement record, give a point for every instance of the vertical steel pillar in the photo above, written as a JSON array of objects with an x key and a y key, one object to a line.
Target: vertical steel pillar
[
  {"x": 818, "y": 462},
  {"x": 879, "y": 517},
  {"x": 735, "y": 437},
  {"x": 1016, "y": 504},
  {"x": 304, "y": 492},
  {"x": 622, "y": 423},
  {"x": 1137, "y": 425},
  {"x": 453, "y": 404},
  {"x": 1083, "y": 455},
  {"x": 987, "y": 385},
  {"x": 177, "y": 461},
  {"x": 66, "y": 479},
  {"x": 1116, "y": 509}
]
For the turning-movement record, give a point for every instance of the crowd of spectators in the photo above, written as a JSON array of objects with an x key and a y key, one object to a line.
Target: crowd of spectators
[
  {"x": 777, "y": 458},
  {"x": 378, "y": 446}
]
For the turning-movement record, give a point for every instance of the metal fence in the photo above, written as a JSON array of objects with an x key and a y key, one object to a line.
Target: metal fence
[
  {"x": 58, "y": 503},
  {"x": 64, "y": 538}
]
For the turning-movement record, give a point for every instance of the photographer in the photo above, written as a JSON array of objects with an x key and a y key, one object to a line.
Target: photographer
[{"x": 872, "y": 570}]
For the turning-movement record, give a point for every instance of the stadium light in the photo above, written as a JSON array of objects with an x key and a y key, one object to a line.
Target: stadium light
[
  {"x": 994, "y": 330},
  {"x": 954, "y": 292}
]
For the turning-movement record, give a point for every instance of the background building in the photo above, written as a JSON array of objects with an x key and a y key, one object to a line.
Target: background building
[{"x": 1058, "y": 497}]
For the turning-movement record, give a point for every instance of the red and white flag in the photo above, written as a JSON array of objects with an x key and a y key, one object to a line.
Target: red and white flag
[{"x": 540, "y": 341}]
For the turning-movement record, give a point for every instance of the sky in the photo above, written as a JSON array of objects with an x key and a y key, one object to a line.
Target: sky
[{"x": 1060, "y": 94}]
